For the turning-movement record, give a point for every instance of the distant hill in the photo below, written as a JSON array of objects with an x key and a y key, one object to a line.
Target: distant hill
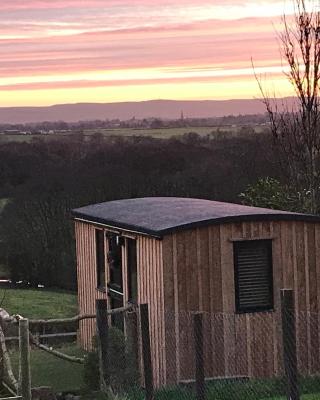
[{"x": 166, "y": 109}]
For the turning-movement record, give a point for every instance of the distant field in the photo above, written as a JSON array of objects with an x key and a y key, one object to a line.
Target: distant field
[
  {"x": 161, "y": 133},
  {"x": 39, "y": 303},
  {"x": 5, "y": 138},
  {"x": 166, "y": 133}
]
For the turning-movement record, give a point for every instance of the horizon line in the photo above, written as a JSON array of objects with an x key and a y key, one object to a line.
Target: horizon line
[{"x": 146, "y": 101}]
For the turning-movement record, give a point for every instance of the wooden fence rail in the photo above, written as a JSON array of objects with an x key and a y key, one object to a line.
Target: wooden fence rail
[
  {"x": 22, "y": 386},
  {"x": 14, "y": 319},
  {"x": 45, "y": 336}
]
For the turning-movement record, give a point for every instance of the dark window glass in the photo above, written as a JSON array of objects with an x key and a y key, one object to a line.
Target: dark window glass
[
  {"x": 100, "y": 259},
  {"x": 115, "y": 262},
  {"x": 132, "y": 270},
  {"x": 253, "y": 275}
]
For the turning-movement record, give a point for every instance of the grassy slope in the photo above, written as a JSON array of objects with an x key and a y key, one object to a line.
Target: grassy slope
[
  {"x": 47, "y": 370},
  {"x": 39, "y": 303}
]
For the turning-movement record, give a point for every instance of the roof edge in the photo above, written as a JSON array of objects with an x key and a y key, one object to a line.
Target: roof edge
[
  {"x": 197, "y": 224},
  {"x": 111, "y": 224}
]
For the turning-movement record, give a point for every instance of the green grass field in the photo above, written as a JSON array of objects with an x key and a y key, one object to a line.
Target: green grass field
[
  {"x": 47, "y": 370},
  {"x": 4, "y": 138},
  {"x": 166, "y": 133},
  {"x": 40, "y": 303},
  {"x": 161, "y": 133}
]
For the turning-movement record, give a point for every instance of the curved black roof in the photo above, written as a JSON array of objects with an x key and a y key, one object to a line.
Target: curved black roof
[{"x": 158, "y": 216}]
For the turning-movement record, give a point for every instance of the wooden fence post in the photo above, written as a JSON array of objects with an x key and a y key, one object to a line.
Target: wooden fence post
[
  {"x": 102, "y": 338},
  {"x": 146, "y": 351},
  {"x": 131, "y": 324},
  {"x": 289, "y": 343},
  {"x": 199, "y": 359},
  {"x": 24, "y": 348}
]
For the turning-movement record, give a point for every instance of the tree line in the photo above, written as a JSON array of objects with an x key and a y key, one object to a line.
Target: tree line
[
  {"x": 145, "y": 123},
  {"x": 43, "y": 181}
]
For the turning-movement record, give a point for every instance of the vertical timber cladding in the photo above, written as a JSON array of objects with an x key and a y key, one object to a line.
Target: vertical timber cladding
[
  {"x": 150, "y": 290},
  {"x": 87, "y": 280},
  {"x": 199, "y": 275}
]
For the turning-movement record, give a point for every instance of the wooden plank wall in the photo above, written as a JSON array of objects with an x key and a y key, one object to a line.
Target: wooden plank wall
[
  {"x": 199, "y": 275},
  {"x": 193, "y": 270},
  {"x": 150, "y": 290},
  {"x": 87, "y": 280}
]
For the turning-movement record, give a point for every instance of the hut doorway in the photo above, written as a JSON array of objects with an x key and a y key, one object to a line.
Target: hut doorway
[
  {"x": 115, "y": 284},
  {"x": 131, "y": 251}
]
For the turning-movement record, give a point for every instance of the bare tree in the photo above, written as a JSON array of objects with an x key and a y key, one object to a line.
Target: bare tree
[{"x": 296, "y": 125}]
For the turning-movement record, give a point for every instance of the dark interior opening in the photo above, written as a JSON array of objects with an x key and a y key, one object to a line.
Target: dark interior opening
[{"x": 132, "y": 270}]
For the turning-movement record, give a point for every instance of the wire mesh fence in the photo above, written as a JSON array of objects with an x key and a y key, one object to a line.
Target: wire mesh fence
[
  {"x": 187, "y": 355},
  {"x": 216, "y": 356}
]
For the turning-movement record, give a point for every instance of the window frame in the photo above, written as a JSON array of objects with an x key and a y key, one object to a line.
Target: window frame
[{"x": 252, "y": 309}]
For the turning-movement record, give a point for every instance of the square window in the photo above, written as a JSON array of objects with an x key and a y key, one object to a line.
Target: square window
[{"x": 253, "y": 275}]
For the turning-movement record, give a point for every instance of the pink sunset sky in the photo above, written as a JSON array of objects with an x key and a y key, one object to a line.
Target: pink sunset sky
[{"x": 69, "y": 51}]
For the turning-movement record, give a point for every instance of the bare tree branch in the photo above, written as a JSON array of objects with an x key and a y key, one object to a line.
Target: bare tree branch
[{"x": 296, "y": 127}]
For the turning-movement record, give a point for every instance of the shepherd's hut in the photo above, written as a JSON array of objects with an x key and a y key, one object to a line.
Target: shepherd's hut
[{"x": 182, "y": 255}]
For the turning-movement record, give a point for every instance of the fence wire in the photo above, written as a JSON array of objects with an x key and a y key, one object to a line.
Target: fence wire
[{"x": 242, "y": 356}]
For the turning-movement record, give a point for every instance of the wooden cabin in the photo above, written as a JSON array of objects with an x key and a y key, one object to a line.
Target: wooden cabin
[{"x": 183, "y": 255}]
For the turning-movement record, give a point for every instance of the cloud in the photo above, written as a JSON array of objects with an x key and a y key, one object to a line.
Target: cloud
[
  {"x": 125, "y": 82},
  {"x": 212, "y": 42},
  {"x": 62, "y": 44}
]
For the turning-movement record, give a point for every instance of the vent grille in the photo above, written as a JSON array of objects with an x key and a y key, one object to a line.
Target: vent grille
[{"x": 253, "y": 275}]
